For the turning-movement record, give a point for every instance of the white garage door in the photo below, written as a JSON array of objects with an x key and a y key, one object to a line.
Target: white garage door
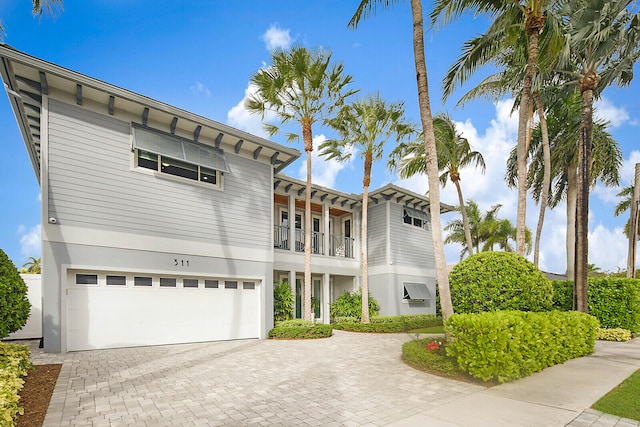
[{"x": 109, "y": 310}]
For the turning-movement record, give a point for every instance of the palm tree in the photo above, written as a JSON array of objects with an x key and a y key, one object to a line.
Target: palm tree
[
  {"x": 49, "y": 6},
  {"x": 300, "y": 86},
  {"x": 509, "y": 81},
  {"x": 366, "y": 124},
  {"x": 366, "y": 8},
  {"x": 33, "y": 265},
  {"x": 38, "y": 9},
  {"x": 603, "y": 44},
  {"x": 454, "y": 153},
  {"x": 487, "y": 230},
  {"x": 563, "y": 129},
  {"x": 626, "y": 195},
  {"x": 529, "y": 18}
]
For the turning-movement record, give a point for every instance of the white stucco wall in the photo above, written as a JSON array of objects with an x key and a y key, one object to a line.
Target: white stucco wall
[{"x": 33, "y": 328}]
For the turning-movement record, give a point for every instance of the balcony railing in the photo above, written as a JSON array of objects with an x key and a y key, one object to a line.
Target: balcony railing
[
  {"x": 281, "y": 237},
  {"x": 340, "y": 246}
]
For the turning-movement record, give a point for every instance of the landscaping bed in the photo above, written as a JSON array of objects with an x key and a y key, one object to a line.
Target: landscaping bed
[{"x": 36, "y": 394}]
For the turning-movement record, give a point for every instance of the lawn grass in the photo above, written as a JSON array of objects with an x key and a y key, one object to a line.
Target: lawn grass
[
  {"x": 622, "y": 401},
  {"x": 430, "y": 330}
]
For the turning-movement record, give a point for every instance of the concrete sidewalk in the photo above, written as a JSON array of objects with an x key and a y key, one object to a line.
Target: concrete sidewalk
[
  {"x": 349, "y": 379},
  {"x": 558, "y": 396}
]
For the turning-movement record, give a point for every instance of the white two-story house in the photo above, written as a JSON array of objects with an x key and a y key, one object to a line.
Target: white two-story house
[{"x": 160, "y": 226}]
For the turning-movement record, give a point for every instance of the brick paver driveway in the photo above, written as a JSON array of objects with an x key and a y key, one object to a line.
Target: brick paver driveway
[{"x": 348, "y": 379}]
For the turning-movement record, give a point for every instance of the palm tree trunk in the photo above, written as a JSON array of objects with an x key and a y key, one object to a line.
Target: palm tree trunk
[
  {"x": 582, "y": 205},
  {"x": 308, "y": 148},
  {"x": 465, "y": 218},
  {"x": 364, "y": 289},
  {"x": 523, "y": 116},
  {"x": 572, "y": 196},
  {"x": 546, "y": 180},
  {"x": 426, "y": 118}
]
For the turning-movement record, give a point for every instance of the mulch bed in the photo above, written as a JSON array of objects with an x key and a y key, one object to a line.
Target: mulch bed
[{"x": 36, "y": 394}]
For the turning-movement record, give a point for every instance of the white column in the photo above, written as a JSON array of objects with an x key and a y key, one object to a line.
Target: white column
[
  {"x": 326, "y": 298},
  {"x": 292, "y": 225},
  {"x": 325, "y": 219},
  {"x": 356, "y": 231}
]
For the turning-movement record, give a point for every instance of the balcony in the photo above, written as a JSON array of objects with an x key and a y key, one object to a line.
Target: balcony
[{"x": 339, "y": 246}]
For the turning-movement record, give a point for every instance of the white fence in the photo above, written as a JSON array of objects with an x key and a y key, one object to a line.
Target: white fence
[{"x": 33, "y": 328}]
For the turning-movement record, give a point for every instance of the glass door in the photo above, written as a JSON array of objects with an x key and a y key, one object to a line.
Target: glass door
[
  {"x": 298, "y": 298},
  {"x": 316, "y": 300}
]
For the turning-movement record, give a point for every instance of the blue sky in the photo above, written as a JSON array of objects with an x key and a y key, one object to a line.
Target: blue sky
[{"x": 199, "y": 55}]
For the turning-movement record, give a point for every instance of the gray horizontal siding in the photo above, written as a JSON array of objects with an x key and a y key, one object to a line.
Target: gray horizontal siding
[
  {"x": 410, "y": 245},
  {"x": 92, "y": 185},
  {"x": 377, "y": 235}
]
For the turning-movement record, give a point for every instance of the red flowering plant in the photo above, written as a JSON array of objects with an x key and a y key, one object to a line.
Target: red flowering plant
[{"x": 434, "y": 345}]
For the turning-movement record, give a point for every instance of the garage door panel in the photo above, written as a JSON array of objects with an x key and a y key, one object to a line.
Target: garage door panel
[{"x": 103, "y": 317}]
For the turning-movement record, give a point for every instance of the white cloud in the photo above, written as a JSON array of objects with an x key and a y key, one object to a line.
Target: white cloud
[
  {"x": 605, "y": 110},
  {"x": 276, "y": 38},
  {"x": 323, "y": 172},
  {"x": 627, "y": 174},
  {"x": 30, "y": 241},
  {"x": 200, "y": 88},
  {"x": 486, "y": 188},
  {"x": 240, "y": 118},
  {"x": 608, "y": 248}
]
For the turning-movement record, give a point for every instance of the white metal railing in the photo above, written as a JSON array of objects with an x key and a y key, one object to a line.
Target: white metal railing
[{"x": 341, "y": 246}]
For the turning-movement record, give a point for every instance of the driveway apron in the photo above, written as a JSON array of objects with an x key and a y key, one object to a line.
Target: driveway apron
[{"x": 347, "y": 380}]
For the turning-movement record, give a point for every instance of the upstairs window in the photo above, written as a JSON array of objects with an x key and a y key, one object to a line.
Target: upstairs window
[
  {"x": 177, "y": 156},
  {"x": 415, "y": 217}
]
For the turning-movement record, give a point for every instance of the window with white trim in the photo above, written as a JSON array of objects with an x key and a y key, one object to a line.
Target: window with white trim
[
  {"x": 414, "y": 217},
  {"x": 172, "y": 155}
]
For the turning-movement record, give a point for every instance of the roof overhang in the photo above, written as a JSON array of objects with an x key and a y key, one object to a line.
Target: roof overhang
[
  {"x": 405, "y": 197},
  {"x": 338, "y": 200},
  {"x": 27, "y": 79}
]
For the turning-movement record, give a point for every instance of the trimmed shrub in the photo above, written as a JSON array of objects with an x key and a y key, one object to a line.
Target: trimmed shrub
[
  {"x": 300, "y": 329},
  {"x": 14, "y": 364},
  {"x": 615, "y": 334},
  {"x": 614, "y": 301},
  {"x": 416, "y": 353},
  {"x": 282, "y": 302},
  {"x": 491, "y": 281},
  {"x": 350, "y": 305},
  {"x": 507, "y": 345},
  {"x": 14, "y": 305},
  {"x": 390, "y": 324}
]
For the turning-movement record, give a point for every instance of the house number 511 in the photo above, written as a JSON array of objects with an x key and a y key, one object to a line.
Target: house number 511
[{"x": 180, "y": 262}]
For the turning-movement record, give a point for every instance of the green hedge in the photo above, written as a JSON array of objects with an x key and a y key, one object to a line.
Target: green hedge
[
  {"x": 416, "y": 354},
  {"x": 300, "y": 329},
  {"x": 507, "y": 345},
  {"x": 350, "y": 305},
  {"x": 387, "y": 324},
  {"x": 614, "y": 334},
  {"x": 14, "y": 304},
  {"x": 282, "y": 302},
  {"x": 14, "y": 364},
  {"x": 492, "y": 281},
  {"x": 614, "y": 301}
]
